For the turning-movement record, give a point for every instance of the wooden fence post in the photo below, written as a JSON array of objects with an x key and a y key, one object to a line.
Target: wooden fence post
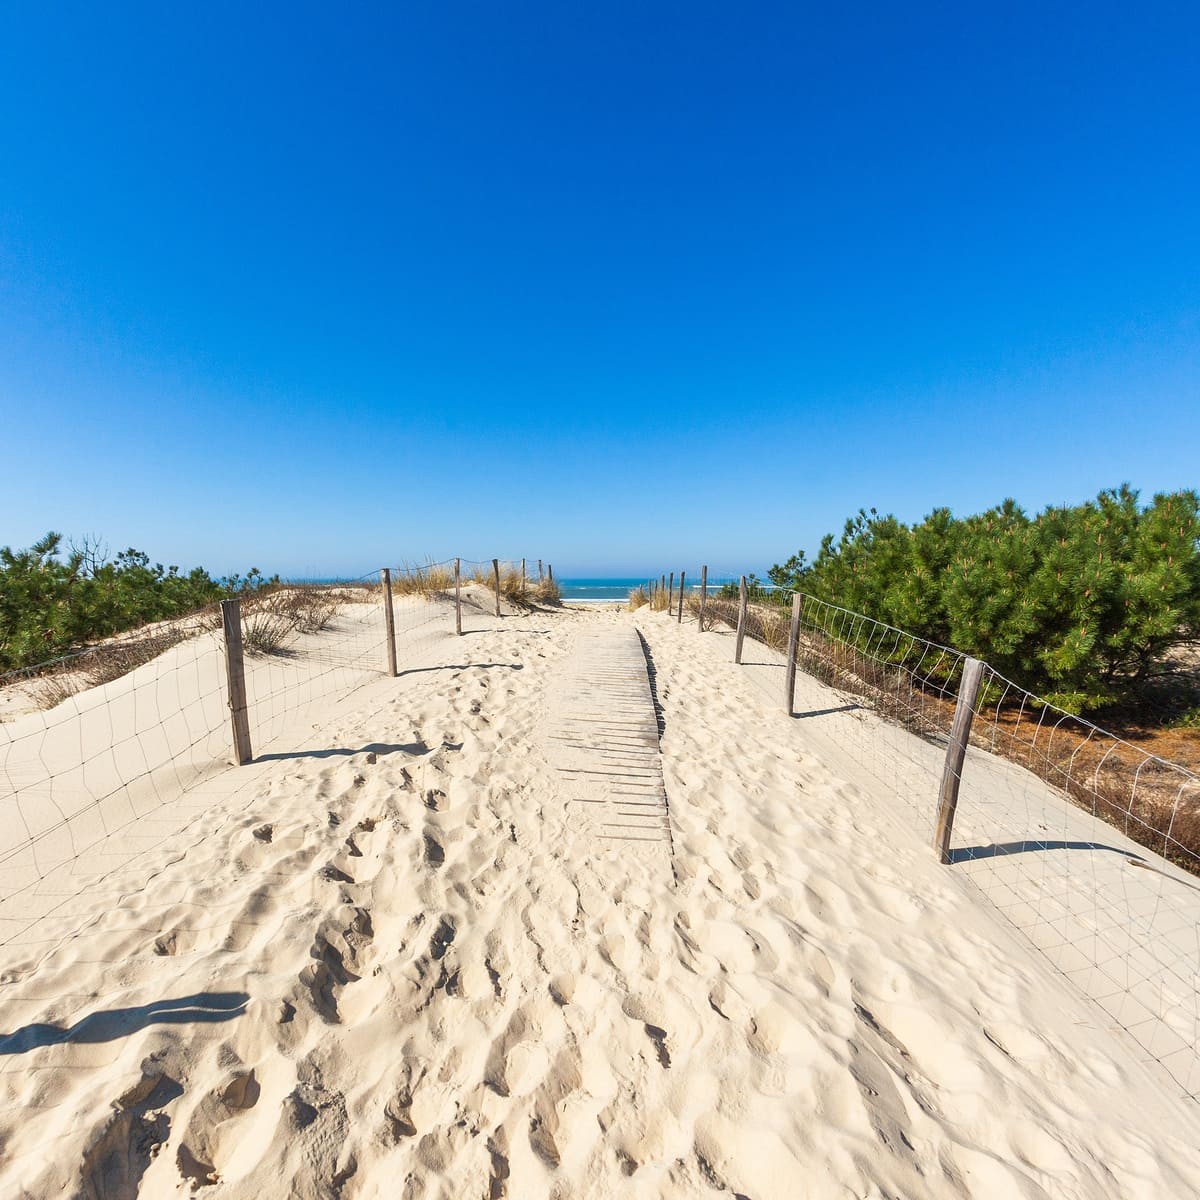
[
  {"x": 539, "y": 570},
  {"x": 389, "y": 621},
  {"x": 741, "y": 625},
  {"x": 682, "y": 575},
  {"x": 670, "y": 592},
  {"x": 703, "y": 597},
  {"x": 789, "y": 699},
  {"x": 956, "y": 751},
  {"x": 457, "y": 597},
  {"x": 235, "y": 676},
  {"x": 522, "y": 579},
  {"x": 496, "y": 572},
  {"x": 550, "y": 571}
]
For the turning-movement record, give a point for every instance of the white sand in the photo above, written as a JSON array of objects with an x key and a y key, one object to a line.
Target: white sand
[{"x": 407, "y": 962}]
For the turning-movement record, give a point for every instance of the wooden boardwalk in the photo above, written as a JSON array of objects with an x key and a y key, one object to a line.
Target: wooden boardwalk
[{"x": 602, "y": 736}]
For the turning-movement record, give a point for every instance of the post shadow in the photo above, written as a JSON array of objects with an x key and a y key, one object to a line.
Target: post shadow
[
  {"x": 826, "y": 712},
  {"x": 108, "y": 1024},
  {"x": 1030, "y": 846},
  {"x": 376, "y": 748}
]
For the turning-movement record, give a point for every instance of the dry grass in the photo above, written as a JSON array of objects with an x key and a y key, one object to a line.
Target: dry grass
[
  {"x": 766, "y": 623},
  {"x": 638, "y": 598},
  {"x": 103, "y": 664},
  {"x": 546, "y": 592},
  {"x": 516, "y": 587},
  {"x": 659, "y": 601},
  {"x": 428, "y": 580}
]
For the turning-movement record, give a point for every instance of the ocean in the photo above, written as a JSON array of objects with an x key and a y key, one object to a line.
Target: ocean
[{"x": 609, "y": 590}]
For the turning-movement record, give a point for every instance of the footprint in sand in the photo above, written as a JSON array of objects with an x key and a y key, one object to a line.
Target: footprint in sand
[
  {"x": 341, "y": 955},
  {"x": 118, "y": 1154},
  {"x": 435, "y": 853},
  {"x": 199, "y": 1152}
]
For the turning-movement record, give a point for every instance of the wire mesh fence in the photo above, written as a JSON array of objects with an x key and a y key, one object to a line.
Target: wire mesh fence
[
  {"x": 98, "y": 741},
  {"x": 1088, "y": 843}
]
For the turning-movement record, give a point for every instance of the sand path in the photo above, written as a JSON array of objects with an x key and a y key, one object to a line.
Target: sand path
[{"x": 404, "y": 964}]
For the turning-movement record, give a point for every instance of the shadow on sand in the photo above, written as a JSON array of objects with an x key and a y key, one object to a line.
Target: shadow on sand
[{"x": 111, "y": 1023}]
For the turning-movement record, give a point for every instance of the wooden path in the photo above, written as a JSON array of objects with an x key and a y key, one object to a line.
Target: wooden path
[{"x": 602, "y": 736}]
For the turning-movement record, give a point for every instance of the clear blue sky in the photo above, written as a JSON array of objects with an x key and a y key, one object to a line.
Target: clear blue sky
[{"x": 625, "y": 286}]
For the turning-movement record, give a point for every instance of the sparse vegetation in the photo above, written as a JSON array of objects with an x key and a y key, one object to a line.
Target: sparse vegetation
[
  {"x": 546, "y": 591},
  {"x": 272, "y": 619},
  {"x": 107, "y": 662},
  {"x": 430, "y": 580},
  {"x": 638, "y": 598},
  {"x": 515, "y": 587}
]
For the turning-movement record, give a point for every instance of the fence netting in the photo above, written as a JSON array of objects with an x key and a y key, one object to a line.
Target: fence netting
[
  {"x": 1086, "y": 842},
  {"x": 97, "y": 740},
  {"x": 97, "y": 743}
]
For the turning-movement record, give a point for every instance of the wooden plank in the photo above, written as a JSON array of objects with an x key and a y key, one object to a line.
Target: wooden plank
[
  {"x": 235, "y": 677},
  {"x": 703, "y": 597},
  {"x": 389, "y": 622},
  {"x": 956, "y": 751},
  {"x": 741, "y": 625},
  {"x": 789, "y": 699},
  {"x": 682, "y": 576},
  {"x": 458, "y": 597},
  {"x": 496, "y": 572}
]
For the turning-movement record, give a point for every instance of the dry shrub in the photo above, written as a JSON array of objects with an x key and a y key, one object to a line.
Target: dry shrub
[
  {"x": 691, "y": 603},
  {"x": 659, "y": 601},
  {"x": 638, "y": 598},
  {"x": 312, "y": 606},
  {"x": 269, "y": 623}
]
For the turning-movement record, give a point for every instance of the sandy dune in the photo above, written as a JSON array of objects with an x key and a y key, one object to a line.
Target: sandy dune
[{"x": 407, "y": 960}]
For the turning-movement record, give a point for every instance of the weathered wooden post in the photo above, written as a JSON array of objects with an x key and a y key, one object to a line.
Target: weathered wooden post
[
  {"x": 458, "y": 597},
  {"x": 496, "y": 573},
  {"x": 662, "y": 587},
  {"x": 539, "y": 570},
  {"x": 235, "y": 676},
  {"x": 550, "y": 571},
  {"x": 741, "y": 625},
  {"x": 389, "y": 621},
  {"x": 682, "y": 576},
  {"x": 670, "y": 593},
  {"x": 789, "y": 699},
  {"x": 956, "y": 751},
  {"x": 522, "y": 579},
  {"x": 703, "y": 597}
]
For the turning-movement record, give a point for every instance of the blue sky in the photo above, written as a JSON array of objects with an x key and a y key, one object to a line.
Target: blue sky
[{"x": 622, "y": 286}]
